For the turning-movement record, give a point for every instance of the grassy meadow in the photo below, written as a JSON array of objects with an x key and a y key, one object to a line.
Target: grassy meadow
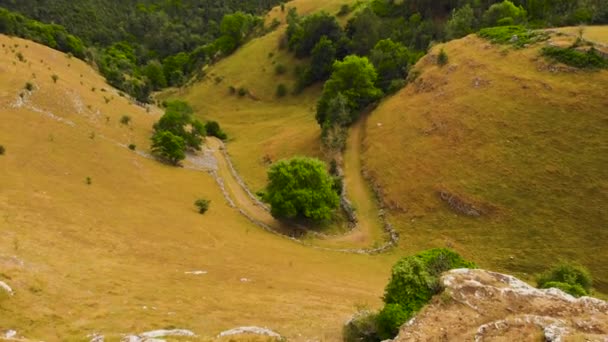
[
  {"x": 97, "y": 238},
  {"x": 110, "y": 257}
]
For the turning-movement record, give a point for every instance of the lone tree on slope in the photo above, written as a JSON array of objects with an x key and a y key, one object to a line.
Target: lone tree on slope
[{"x": 301, "y": 188}]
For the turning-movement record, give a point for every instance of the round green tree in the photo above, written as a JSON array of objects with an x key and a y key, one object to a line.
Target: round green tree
[
  {"x": 301, "y": 188},
  {"x": 355, "y": 78},
  {"x": 168, "y": 147}
]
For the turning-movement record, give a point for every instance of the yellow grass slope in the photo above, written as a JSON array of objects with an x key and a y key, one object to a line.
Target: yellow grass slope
[
  {"x": 110, "y": 257},
  {"x": 500, "y": 131}
]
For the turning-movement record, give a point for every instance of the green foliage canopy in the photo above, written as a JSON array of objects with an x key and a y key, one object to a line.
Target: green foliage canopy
[
  {"x": 461, "y": 23},
  {"x": 503, "y": 14},
  {"x": 571, "y": 278},
  {"x": 355, "y": 78},
  {"x": 414, "y": 280},
  {"x": 301, "y": 188},
  {"x": 168, "y": 147},
  {"x": 391, "y": 60},
  {"x": 323, "y": 58},
  {"x": 304, "y": 34}
]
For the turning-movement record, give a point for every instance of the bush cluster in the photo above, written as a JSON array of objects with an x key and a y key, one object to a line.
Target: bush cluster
[
  {"x": 571, "y": 56},
  {"x": 414, "y": 281},
  {"x": 213, "y": 129},
  {"x": 568, "y": 277},
  {"x": 176, "y": 132},
  {"x": 513, "y": 35}
]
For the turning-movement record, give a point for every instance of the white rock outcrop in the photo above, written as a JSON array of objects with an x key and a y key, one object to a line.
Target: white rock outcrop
[{"x": 479, "y": 306}]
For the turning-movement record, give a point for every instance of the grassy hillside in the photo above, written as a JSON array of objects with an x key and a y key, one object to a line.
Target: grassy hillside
[
  {"x": 263, "y": 127},
  {"x": 110, "y": 256},
  {"x": 500, "y": 130}
]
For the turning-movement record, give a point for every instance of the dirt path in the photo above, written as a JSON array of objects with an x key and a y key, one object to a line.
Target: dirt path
[
  {"x": 369, "y": 230},
  {"x": 369, "y": 227}
]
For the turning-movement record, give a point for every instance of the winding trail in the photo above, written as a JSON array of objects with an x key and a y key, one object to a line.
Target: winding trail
[
  {"x": 370, "y": 235},
  {"x": 369, "y": 227}
]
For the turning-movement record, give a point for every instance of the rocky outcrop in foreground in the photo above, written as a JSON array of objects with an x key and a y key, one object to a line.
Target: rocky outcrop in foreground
[{"x": 479, "y": 305}]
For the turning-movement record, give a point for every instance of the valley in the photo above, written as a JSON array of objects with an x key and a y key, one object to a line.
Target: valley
[{"x": 491, "y": 149}]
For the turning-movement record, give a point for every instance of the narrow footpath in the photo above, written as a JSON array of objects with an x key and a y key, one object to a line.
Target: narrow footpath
[{"x": 367, "y": 236}]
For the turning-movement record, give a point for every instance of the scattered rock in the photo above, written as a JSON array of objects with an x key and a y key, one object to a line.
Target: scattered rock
[
  {"x": 514, "y": 39},
  {"x": 10, "y": 334},
  {"x": 250, "y": 330},
  {"x": 479, "y": 82},
  {"x": 459, "y": 205},
  {"x": 96, "y": 337},
  {"x": 196, "y": 272},
  {"x": 6, "y": 288},
  {"x": 152, "y": 336},
  {"x": 165, "y": 333},
  {"x": 245, "y": 280}
]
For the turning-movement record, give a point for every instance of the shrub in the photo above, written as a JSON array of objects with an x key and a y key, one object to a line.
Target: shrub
[
  {"x": 513, "y": 35},
  {"x": 88, "y": 181},
  {"x": 574, "y": 290},
  {"x": 55, "y": 78},
  {"x": 301, "y": 188},
  {"x": 243, "y": 91},
  {"x": 2, "y": 150},
  {"x": 573, "y": 57},
  {"x": 202, "y": 205},
  {"x": 281, "y": 90},
  {"x": 442, "y": 58},
  {"x": 414, "y": 281},
  {"x": 390, "y": 319},
  {"x": 168, "y": 147},
  {"x": 280, "y": 69},
  {"x": 132, "y": 147},
  {"x": 213, "y": 129},
  {"x": 125, "y": 120},
  {"x": 29, "y": 86},
  {"x": 361, "y": 328},
  {"x": 231, "y": 90},
  {"x": 572, "y": 278}
]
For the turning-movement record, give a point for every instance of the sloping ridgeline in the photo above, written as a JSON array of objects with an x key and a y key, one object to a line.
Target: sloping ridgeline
[{"x": 143, "y": 45}]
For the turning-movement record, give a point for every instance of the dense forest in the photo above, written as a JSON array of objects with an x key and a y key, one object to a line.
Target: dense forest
[
  {"x": 145, "y": 45},
  {"x": 138, "y": 45}
]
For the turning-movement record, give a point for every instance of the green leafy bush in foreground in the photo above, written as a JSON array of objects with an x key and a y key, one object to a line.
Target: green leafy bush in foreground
[
  {"x": 414, "y": 281},
  {"x": 570, "y": 278},
  {"x": 590, "y": 59}
]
